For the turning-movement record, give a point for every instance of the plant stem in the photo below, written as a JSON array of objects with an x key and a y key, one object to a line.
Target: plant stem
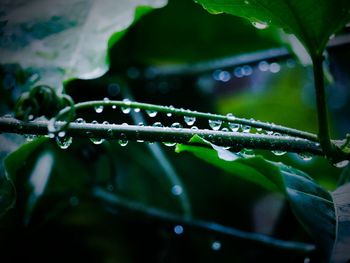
[
  {"x": 142, "y": 211},
  {"x": 328, "y": 147},
  {"x": 236, "y": 140},
  {"x": 183, "y": 112}
]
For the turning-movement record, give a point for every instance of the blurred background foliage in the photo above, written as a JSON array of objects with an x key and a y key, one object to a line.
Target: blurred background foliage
[{"x": 58, "y": 218}]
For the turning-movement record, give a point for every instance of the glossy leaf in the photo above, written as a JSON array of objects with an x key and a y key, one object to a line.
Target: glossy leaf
[
  {"x": 70, "y": 37},
  {"x": 313, "y": 22},
  {"x": 341, "y": 198},
  {"x": 311, "y": 204}
]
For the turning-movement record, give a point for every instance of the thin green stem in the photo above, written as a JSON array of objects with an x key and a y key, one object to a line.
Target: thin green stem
[
  {"x": 328, "y": 147},
  {"x": 190, "y": 113},
  {"x": 236, "y": 140},
  {"x": 138, "y": 210}
]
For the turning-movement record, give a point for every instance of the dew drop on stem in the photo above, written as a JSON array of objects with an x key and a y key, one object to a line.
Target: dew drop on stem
[
  {"x": 305, "y": 156},
  {"x": 157, "y": 124},
  {"x": 97, "y": 140},
  {"x": 169, "y": 144},
  {"x": 176, "y": 125},
  {"x": 234, "y": 126},
  {"x": 176, "y": 190},
  {"x": 216, "y": 245},
  {"x": 151, "y": 113},
  {"x": 246, "y": 128},
  {"x": 99, "y": 109},
  {"x": 64, "y": 142},
  {"x": 189, "y": 120},
  {"x": 80, "y": 121},
  {"x": 215, "y": 124},
  {"x": 178, "y": 229},
  {"x": 123, "y": 140},
  {"x": 341, "y": 164}
]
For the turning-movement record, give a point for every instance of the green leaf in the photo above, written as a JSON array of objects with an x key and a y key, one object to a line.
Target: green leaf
[
  {"x": 341, "y": 199},
  {"x": 7, "y": 194},
  {"x": 313, "y": 22},
  {"x": 311, "y": 204},
  {"x": 66, "y": 38}
]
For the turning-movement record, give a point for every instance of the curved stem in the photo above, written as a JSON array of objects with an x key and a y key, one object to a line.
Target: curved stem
[
  {"x": 142, "y": 211},
  {"x": 236, "y": 140},
  {"x": 183, "y": 112}
]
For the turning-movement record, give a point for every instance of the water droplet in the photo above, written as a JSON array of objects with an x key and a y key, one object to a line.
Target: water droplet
[
  {"x": 169, "y": 114},
  {"x": 176, "y": 190},
  {"x": 126, "y": 109},
  {"x": 260, "y": 25},
  {"x": 275, "y": 67},
  {"x": 74, "y": 201},
  {"x": 195, "y": 128},
  {"x": 105, "y": 123},
  {"x": 247, "y": 70},
  {"x": 51, "y": 135},
  {"x": 157, "y": 124},
  {"x": 123, "y": 141},
  {"x": 189, "y": 120},
  {"x": 114, "y": 107},
  {"x": 64, "y": 142},
  {"x": 99, "y": 109},
  {"x": 263, "y": 66},
  {"x": 247, "y": 153},
  {"x": 151, "y": 113},
  {"x": 170, "y": 144},
  {"x": 30, "y": 117},
  {"x": 225, "y": 129},
  {"x": 80, "y": 121},
  {"x": 246, "y": 128},
  {"x": 178, "y": 229},
  {"x": 221, "y": 75},
  {"x": 216, "y": 245},
  {"x": 230, "y": 116},
  {"x": 176, "y": 125},
  {"x": 97, "y": 140},
  {"x": 137, "y": 110},
  {"x": 215, "y": 124},
  {"x": 61, "y": 134},
  {"x": 341, "y": 164},
  {"x": 106, "y": 100},
  {"x": 141, "y": 124},
  {"x": 305, "y": 156},
  {"x": 234, "y": 126},
  {"x": 278, "y": 153},
  {"x": 238, "y": 72},
  {"x": 29, "y": 137}
]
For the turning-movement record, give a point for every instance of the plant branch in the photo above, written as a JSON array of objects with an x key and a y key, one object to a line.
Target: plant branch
[
  {"x": 155, "y": 214},
  {"x": 329, "y": 149},
  {"x": 236, "y": 140},
  {"x": 190, "y": 113}
]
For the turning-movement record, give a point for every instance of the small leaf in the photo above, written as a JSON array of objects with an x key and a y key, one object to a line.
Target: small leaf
[
  {"x": 312, "y": 205},
  {"x": 311, "y": 21},
  {"x": 68, "y": 37}
]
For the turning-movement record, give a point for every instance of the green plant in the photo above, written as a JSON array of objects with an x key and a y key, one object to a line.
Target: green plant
[{"x": 88, "y": 184}]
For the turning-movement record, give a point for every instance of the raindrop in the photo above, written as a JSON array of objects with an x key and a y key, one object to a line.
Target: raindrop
[
  {"x": 247, "y": 70},
  {"x": 80, "y": 121},
  {"x": 126, "y": 110},
  {"x": 105, "y": 123},
  {"x": 178, "y": 229},
  {"x": 106, "y": 100},
  {"x": 305, "y": 156},
  {"x": 247, "y": 153},
  {"x": 234, "y": 126},
  {"x": 61, "y": 134},
  {"x": 225, "y": 129},
  {"x": 169, "y": 114},
  {"x": 137, "y": 109},
  {"x": 114, "y": 107},
  {"x": 260, "y": 25},
  {"x": 30, "y": 117},
  {"x": 216, "y": 245},
  {"x": 64, "y": 142},
  {"x": 189, "y": 120},
  {"x": 230, "y": 116},
  {"x": 170, "y": 144},
  {"x": 195, "y": 128},
  {"x": 157, "y": 124},
  {"x": 264, "y": 66},
  {"x": 97, "y": 140},
  {"x": 176, "y": 190},
  {"x": 341, "y": 164},
  {"x": 123, "y": 141},
  {"x": 221, "y": 75},
  {"x": 278, "y": 153},
  {"x": 99, "y": 108},
  {"x": 151, "y": 113},
  {"x": 246, "y": 128},
  {"x": 141, "y": 124},
  {"x": 275, "y": 67},
  {"x": 238, "y": 72},
  {"x": 29, "y": 137},
  {"x": 51, "y": 135},
  {"x": 215, "y": 124},
  {"x": 176, "y": 125}
]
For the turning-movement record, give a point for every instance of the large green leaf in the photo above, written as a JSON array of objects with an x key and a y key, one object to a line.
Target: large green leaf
[
  {"x": 69, "y": 38},
  {"x": 312, "y": 204},
  {"x": 313, "y": 22}
]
